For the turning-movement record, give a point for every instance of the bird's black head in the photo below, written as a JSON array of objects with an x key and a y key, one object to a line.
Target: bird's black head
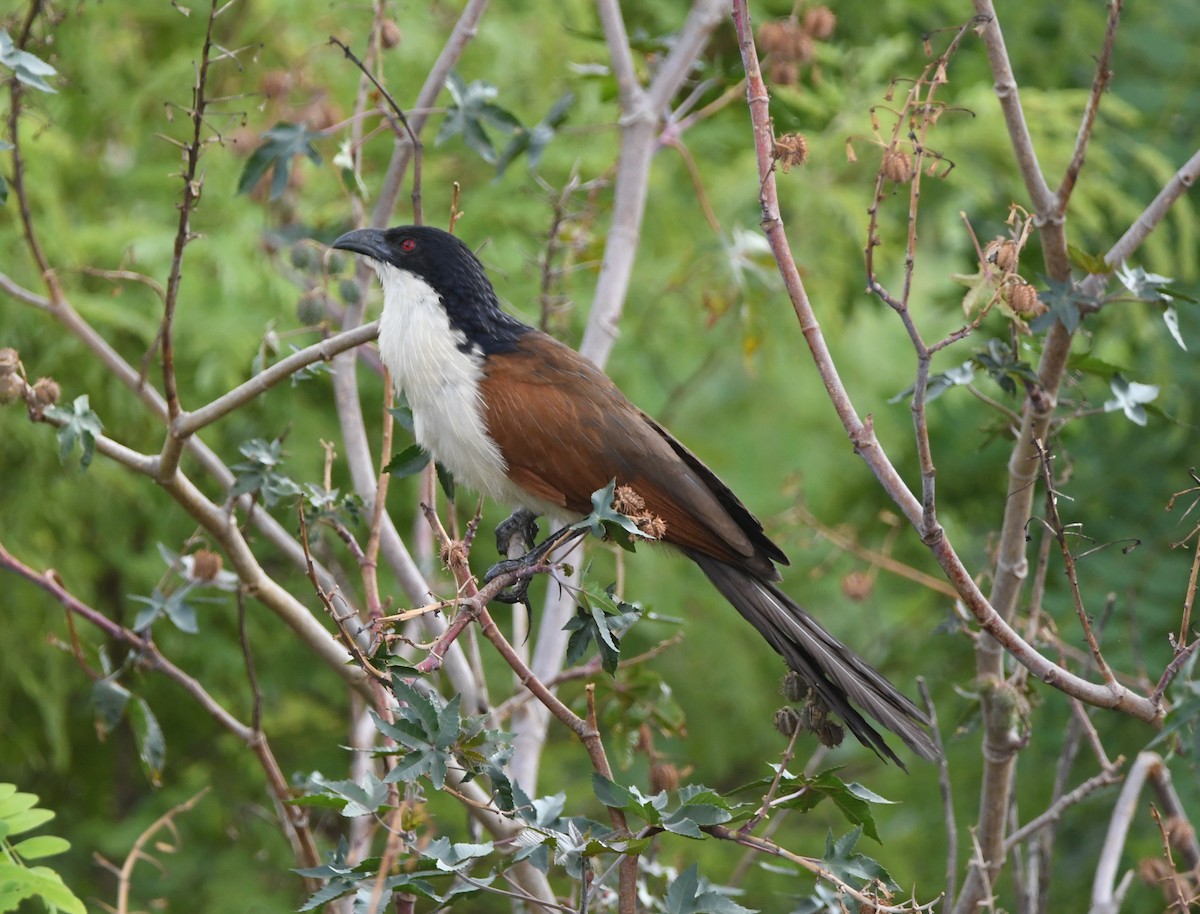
[{"x": 452, "y": 270}]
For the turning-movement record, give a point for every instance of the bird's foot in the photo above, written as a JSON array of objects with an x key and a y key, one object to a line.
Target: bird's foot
[
  {"x": 518, "y": 592},
  {"x": 521, "y": 523}
]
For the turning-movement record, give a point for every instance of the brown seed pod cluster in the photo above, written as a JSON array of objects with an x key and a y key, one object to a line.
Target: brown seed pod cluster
[
  {"x": 207, "y": 565},
  {"x": 790, "y": 149},
  {"x": 626, "y": 501},
  {"x": 1023, "y": 298},
  {"x": 389, "y": 34},
  {"x": 790, "y": 43},
  {"x": 38, "y": 396},
  {"x": 898, "y": 166},
  {"x": 1004, "y": 253},
  {"x": 12, "y": 382}
]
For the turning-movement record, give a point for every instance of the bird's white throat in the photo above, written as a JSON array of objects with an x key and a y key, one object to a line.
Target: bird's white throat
[{"x": 439, "y": 375}]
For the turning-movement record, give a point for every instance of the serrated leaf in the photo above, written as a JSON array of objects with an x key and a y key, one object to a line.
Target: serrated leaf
[
  {"x": 428, "y": 731},
  {"x": 403, "y": 415},
  {"x": 534, "y": 141},
  {"x": 413, "y": 459},
  {"x": 151, "y": 743},
  {"x": 1171, "y": 319},
  {"x": 688, "y": 894},
  {"x": 472, "y": 110},
  {"x": 610, "y": 793},
  {"x": 445, "y": 480},
  {"x": 451, "y": 857},
  {"x": 1089, "y": 263},
  {"x": 27, "y": 68},
  {"x": 1064, "y": 302},
  {"x": 78, "y": 425},
  {"x": 1129, "y": 397},
  {"x": 1147, "y": 287},
  {"x": 109, "y": 699},
  {"x": 687, "y": 820},
  {"x": 856, "y": 869},
  {"x": 280, "y": 145}
]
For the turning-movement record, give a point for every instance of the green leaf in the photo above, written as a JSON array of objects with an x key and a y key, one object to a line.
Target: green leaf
[
  {"x": 151, "y": 744},
  {"x": 855, "y": 869},
  {"x": 403, "y": 415},
  {"x": 14, "y": 803},
  {"x": 1065, "y": 303},
  {"x": 77, "y": 425},
  {"x": 1171, "y": 319},
  {"x": 109, "y": 699},
  {"x": 610, "y": 793},
  {"x": 687, "y": 820},
  {"x": 452, "y": 857},
  {"x": 427, "y": 731},
  {"x": 1129, "y": 397},
  {"x": 280, "y": 145},
  {"x": 605, "y": 521},
  {"x": 1089, "y": 263},
  {"x": 853, "y": 800},
  {"x": 408, "y": 462},
  {"x": 599, "y": 619},
  {"x": 445, "y": 480},
  {"x": 40, "y": 846},
  {"x": 535, "y": 140},
  {"x": 27, "y": 68},
  {"x": 259, "y": 474},
  {"x": 20, "y": 822},
  {"x": 354, "y": 799},
  {"x": 1147, "y": 287},
  {"x": 689, "y": 894},
  {"x": 17, "y": 882},
  {"x": 472, "y": 110}
]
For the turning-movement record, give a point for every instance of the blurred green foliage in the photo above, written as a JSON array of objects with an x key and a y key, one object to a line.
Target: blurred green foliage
[{"x": 708, "y": 345}]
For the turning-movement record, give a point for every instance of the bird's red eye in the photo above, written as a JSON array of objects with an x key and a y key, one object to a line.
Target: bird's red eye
[{"x": 408, "y": 245}]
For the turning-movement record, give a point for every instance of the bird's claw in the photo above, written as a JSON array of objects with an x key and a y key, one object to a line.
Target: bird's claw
[
  {"x": 518, "y": 592},
  {"x": 522, "y": 523}
]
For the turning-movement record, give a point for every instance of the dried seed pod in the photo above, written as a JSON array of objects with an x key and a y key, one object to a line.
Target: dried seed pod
[
  {"x": 819, "y": 22},
  {"x": 787, "y": 720},
  {"x": 1003, "y": 252},
  {"x": 12, "y": 388},
  {"x": 663, "y": 776},
  {"x": 790, "y": 149},
  {"x": 1023, "y": 299},
  {"x": 898, "y": 166},
  {"x": 857, "y": 585},
  {"x": 784, "y": 72},
  {"x": 772, "y": 36},
  {"x": 206, "y": 565},
  {"x": 10, "y": 359},
  {"x": 389, "y": 34},
  {"x": 793, "y": 687},
  {"x": 46, "y": 392}
]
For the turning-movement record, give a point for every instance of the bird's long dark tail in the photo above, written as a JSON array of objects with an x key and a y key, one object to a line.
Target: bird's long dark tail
[{"x": 840, "y": 677}]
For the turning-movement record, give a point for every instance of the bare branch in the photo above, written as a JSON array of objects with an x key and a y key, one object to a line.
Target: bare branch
[
  {"x": 189, "y": 423},
  {"x": 1099, "y": 85}
]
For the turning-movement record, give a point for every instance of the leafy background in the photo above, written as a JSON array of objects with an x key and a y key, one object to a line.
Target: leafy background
[{"x": 716, "y": 359}]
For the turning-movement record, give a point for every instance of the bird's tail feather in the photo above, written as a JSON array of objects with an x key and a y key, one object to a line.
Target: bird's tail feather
[{"x": 836, "y": 673}]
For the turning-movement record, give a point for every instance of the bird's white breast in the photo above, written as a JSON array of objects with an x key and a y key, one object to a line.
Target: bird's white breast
[{"x": 426, "y": 357}]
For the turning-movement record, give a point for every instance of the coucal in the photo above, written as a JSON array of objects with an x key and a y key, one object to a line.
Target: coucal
[{"x": 522, "y": 418}]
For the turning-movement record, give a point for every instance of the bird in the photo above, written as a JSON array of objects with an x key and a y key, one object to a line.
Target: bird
[{"x": 524, "y": 419}]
